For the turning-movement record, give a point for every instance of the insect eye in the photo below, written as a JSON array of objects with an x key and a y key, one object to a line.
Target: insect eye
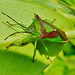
[{"x": 36, "y": 15}]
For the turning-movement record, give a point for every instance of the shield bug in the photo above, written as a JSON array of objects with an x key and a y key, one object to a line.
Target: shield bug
[{"x": 43, "y": 30}]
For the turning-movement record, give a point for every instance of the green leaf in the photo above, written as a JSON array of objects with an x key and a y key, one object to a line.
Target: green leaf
[
  {"x": 62, "y": 67},
  {"x": 17, "y": 60}
]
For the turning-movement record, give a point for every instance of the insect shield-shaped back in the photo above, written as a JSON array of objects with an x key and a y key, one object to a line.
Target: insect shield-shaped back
[{"x": 46, "y": 30}]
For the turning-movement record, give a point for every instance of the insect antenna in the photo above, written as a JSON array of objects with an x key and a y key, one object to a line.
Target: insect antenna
[
  {"x": 16, "y": 33},
  {"x": 13, "y": 20}
]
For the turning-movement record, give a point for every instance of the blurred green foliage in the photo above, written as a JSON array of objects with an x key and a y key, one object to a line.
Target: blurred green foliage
[{"x": 69, "y": 49}]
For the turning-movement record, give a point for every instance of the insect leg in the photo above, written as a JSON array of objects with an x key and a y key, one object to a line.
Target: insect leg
[
  {"x": 53, "y": 20},
  {"x": 9, "y": 26},
  {"x": 14, "y": 25},
  {"x": 26, "y": 38},
  {"x": 17, "y": 42},
  {"x": 34, "y": 50},
  {"x": 46, "y": 50},
  {"x": 44, "y": 46},
  {"x": 48, "y": 58},
  {"x": 9, "y": 45},
  {"x": 13, "y": 20},
  {"x": 10, "y": 23}
]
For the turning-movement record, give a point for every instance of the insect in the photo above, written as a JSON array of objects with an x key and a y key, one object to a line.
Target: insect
[{"x": 43, "y": 30}]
